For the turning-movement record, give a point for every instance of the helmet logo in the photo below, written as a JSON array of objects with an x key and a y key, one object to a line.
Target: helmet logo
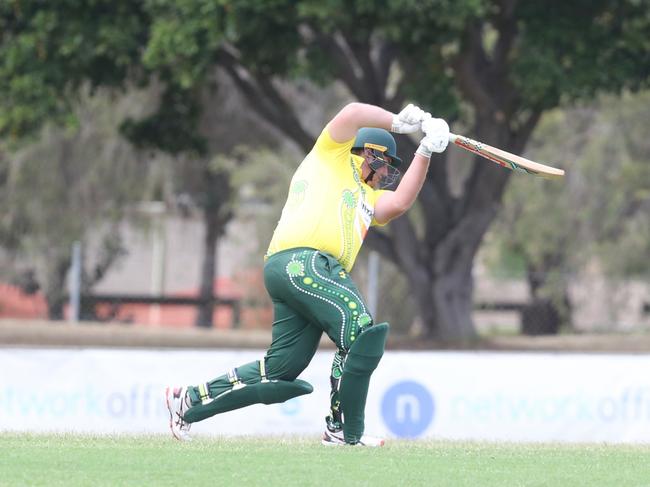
[{"x": 370, "y": 145}]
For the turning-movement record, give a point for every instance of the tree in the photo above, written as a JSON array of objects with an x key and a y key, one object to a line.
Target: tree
[
  {"x": 509, "y": 61},
  {"x": 493, "y": 65},
  {"x": 50, "y": 51},
  {"x": 196, "y": 138},
  {"x": 72, "y": 184},
  {"x": 601, "y": 213}
]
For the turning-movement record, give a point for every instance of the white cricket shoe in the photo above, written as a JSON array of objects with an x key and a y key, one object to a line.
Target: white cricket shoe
[
  {"x": 336, "y": 438},
  {"x": 175, "y": 399}
]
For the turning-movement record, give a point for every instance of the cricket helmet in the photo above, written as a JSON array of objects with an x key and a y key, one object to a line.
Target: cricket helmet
[{"x": 379, "y": 140}]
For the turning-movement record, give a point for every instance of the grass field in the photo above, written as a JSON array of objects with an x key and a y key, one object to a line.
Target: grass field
[{"x": 158, "y": 460}]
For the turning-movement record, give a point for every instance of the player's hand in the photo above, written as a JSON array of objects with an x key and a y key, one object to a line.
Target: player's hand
[
  {"x": 436, "y": 136},
  {"x": 409, "y": 120}
]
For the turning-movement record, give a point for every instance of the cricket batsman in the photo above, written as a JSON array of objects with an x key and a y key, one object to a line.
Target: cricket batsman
[{"x": 337, "y": 193}]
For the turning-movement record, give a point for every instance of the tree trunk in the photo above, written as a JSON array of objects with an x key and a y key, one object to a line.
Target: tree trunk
[
  {"x": 216, "y": 193},
  {"x": 438, "y": 265},
  {"x": 453, "y": 286},
  {"x": 208, "y": 270},
  {"x": 543, "y": 315},
  {"x": 452, "y": 303},
  {"x": 55, "y": 286},
  {"x": 540, "y": 317}
]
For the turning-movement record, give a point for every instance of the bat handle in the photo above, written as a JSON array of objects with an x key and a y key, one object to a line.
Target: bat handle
[{"x": 452, "y": 137}]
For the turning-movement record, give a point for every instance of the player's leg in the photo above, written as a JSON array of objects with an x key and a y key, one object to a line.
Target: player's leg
[
  {"x": 324, "y": 293},
  {"x": 334, "y": 434},
  {"x": 360, "y": 362},
  {"x": 333, "y": 421},
  {"x": 269, "y": 380}
]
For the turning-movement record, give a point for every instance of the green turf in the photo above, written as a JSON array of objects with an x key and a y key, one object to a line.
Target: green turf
[{"x": 158, "y": 460}]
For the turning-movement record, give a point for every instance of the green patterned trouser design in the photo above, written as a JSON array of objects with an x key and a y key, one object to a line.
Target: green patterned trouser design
[
  {"x": 327, "y": 287},
  {"x": 330, "y": 292},
  {"x": 312, "y": 293}
]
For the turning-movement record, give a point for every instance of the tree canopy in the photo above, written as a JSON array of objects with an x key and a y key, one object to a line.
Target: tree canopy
[
  {"x": 492, "y": 67},
  {"x": 72, "y": 184},
  {"x": 602, "y": 210}
]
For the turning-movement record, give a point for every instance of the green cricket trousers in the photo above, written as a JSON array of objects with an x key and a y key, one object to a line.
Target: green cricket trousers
[{"x": 311, "y": 294}]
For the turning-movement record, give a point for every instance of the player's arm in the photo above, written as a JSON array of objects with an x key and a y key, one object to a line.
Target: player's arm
[
  {"x": 353, "y": 116},
  {"x": 392, "y": 204}
]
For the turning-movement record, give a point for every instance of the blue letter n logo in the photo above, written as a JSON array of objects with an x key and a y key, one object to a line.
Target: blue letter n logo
[{"x": 407, "y": 409}]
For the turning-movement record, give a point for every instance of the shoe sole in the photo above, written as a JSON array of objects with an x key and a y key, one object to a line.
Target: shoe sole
[
  {"x": 325, "y": 441},
  {"x": 171, "y": 415},
  {"x": 330, "y": 443}
]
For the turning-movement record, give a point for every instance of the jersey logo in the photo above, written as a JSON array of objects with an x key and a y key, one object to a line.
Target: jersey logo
[
  {"x": 297, "y": 192},
  {"x": 347, "y": 218}
]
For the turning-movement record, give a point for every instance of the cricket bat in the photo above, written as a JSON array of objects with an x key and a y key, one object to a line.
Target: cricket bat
[{"x": 506, "y": 159}]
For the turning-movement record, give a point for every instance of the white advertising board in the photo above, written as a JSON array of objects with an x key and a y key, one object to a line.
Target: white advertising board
[{"x": 444, "y": 395}]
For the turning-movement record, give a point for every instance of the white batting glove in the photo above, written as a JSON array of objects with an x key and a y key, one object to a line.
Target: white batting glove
[
  {"x": 408, "y": 120},
  {"x": 436, "y": 136}
]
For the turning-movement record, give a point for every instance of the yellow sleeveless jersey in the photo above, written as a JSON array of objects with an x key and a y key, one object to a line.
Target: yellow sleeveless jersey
[{"x": 329, "y": 207}]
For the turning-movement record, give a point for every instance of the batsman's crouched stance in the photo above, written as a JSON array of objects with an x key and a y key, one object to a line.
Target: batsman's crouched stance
[
  {"x": 336, "y": 194},
  {"x": 311, "y": 293}
]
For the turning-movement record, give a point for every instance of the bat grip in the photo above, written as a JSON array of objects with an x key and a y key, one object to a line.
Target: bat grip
[{"x": 452, "y": 137}]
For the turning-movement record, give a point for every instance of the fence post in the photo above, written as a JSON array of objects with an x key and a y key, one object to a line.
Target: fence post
[
  {"x": 156, "y": 210},
  {"x": 74, "y": 287}
]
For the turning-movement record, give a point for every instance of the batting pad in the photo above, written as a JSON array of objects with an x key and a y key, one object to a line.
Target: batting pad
[
  {"x": 363, "y": 357},
  {"x": 242, "y": 395}
]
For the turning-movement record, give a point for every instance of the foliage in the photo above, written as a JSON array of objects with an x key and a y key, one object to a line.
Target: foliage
[
  {"x": 262, "y": 179},
  {"x": 591, "y": 47},
  {"x": 602, "y": 212},
  {"x": 72, "y": 183},
  {"x": 384, "y": 52},
  {"x": 558, "y": 48},
  {"x": 498, "y": 63},
  {"x": 621, "y": 208},
  {"x": 49, "y": 50},
  {"x": 173, "y": 128}
]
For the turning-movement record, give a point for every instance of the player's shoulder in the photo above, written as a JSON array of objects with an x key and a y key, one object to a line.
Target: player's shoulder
[{"x": 325, "y": 142}]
